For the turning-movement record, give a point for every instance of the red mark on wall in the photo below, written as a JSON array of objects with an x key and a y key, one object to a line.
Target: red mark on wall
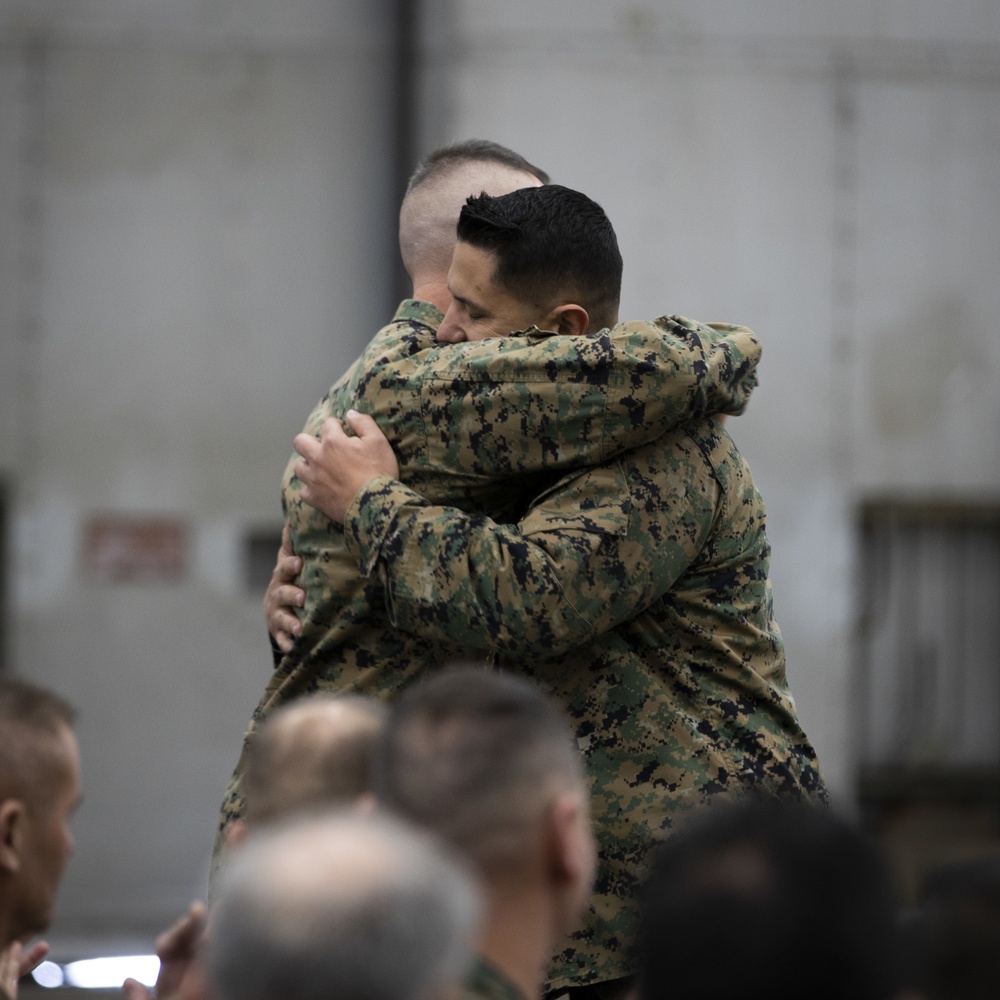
[{"x": 121, "y": 549}]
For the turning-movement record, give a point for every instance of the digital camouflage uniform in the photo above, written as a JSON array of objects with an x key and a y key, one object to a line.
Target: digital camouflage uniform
[
  {"x": 485, "y": 426},
  {"x": 463, "y": 420},
  {"x": 637, "y": 593}
]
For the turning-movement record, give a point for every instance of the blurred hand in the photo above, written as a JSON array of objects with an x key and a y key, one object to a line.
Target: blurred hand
[
  {"x": 334, "y": 468},
  {"x": 176, "y": 948},
  {"x": 283, "y": 597}
]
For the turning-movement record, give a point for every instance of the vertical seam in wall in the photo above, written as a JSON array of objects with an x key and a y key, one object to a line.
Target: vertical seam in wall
[
  {"x": 844, "y": 311},
  {"x": 28, "y": 333}
]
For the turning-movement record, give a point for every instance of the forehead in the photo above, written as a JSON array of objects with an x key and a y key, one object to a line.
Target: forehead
[{"x": 471, "y": 268}]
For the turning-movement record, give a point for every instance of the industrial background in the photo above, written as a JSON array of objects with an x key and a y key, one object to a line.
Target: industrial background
[{"x": 197, "y": 234}]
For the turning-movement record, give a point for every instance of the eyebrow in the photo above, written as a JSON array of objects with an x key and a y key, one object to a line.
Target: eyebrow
[{"x": 468, "y": 303}]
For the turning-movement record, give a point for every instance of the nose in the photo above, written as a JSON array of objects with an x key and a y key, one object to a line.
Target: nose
[{"x": 450, "y": 331}]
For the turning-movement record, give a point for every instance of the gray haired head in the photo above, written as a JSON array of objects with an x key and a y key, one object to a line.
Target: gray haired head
[{"x": 341, "y": 905}]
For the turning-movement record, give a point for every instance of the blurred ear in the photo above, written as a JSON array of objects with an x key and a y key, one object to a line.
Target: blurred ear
[
  {"x": 12, "y": 820},
  {"x": 236, "y": 834},
  {"x": 569, "y": 840}
]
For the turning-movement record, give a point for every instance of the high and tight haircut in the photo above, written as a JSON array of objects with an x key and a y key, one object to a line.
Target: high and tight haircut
[
  {"x": 304, "y": 757},
  {"x": 768, "y": 898},
  {"x": 31, "y": 719},
  {"x": 476, "y": 756},
  {"x": 445, "y": 159},
  {"x": 552, "y": 245},
  {"x": 341, "y": 905}
]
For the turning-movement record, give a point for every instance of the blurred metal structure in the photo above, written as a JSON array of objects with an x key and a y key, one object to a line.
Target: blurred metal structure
[
  {"x": 928, "y": 680},
  {"x": 929, "y": 656}
]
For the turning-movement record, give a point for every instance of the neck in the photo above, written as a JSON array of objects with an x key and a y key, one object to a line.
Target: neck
[
  {"x": 433, "y": 290},
  {"x": 519, "y": 935}
]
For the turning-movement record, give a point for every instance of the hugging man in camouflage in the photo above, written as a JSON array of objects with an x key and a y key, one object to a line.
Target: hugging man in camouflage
[{"x": 635, "y": 584}]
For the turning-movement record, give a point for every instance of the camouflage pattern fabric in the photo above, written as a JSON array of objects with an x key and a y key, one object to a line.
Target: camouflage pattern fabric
[
  {"x": 637, "y": 593},
  {"x": 464, "y": 419},
  {"x": 487, "y": 982},
  {"x": 486, "y": 427}
]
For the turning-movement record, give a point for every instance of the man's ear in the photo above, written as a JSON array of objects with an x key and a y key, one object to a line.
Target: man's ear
[
  {"x": 568, "y": 839},
  {"x": 12, "y": 818},
  {"x": 571, "y": 318},
  {"x": 236, "y": 834}
]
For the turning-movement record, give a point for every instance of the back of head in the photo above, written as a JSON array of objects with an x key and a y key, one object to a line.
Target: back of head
[
  {"x": 31, "y": 721},
  {"x": 314, "y": 753},
  {"x": 340, "y": 906},
  {"x": 39, "y": 789},
  {"x": 438, "y": 189},
  {"x": 766, "y": 899},
  {"x": 954, "y": 939},
  {"x": 476, "y": 756},
  {"x": 552, "y": 245}
]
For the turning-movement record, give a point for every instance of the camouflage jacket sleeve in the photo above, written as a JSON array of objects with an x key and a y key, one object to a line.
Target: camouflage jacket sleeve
[
  {"x": 537, "y": 400},
  {"x": 578, "y": 564}
]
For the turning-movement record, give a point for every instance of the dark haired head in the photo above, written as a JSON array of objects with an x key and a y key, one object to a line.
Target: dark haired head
[
  {"x": 551, "y": 245},
  {"x": 767, "y": 899},
  {"x": 476, "y": 756}
]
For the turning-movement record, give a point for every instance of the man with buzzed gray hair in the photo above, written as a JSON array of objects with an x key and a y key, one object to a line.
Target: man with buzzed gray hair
[
  {"x": 486, "y": 762},
  {"x": 341, "y": 906}
]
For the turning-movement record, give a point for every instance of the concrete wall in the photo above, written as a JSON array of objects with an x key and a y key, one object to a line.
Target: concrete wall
[
  {"x": 196, "y": 217},
  {"x": 197, "y": 228}
]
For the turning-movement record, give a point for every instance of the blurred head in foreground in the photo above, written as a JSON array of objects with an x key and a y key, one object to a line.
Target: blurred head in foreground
[
  {"x": 340, "y": 905},
  {"x": 315, "y": 753},
  {"x": 767, "y": 899},
  {"x": 39, "y": 790},
  {"x": 489, "y": 764}
]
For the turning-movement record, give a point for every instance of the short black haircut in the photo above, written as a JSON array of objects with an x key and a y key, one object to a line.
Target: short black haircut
[
  {"x": 484, "y": 150},
  {"x": 765, "y": 898},
  {"x": 550, "y": 243},
  {"x": 474, "y": 755}
]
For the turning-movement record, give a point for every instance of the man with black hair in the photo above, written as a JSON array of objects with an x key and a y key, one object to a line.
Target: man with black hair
[
  {"x": 39, "y": 791},
  {"x": 545, "y": 257},
  {"x": 767, "y": 900},
  {"x": 637, "y": 591},
  {"x": 487, "y": 763}
]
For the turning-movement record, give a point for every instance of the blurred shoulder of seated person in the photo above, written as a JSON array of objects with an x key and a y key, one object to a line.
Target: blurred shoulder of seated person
[
  {"x": 341, "y": 905},
  {"x": 39, "y": 791},
  {"x": 760, "y": 898},
  {"x": 952, "y": 941},
  {"x": 489, "y": 764}
]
